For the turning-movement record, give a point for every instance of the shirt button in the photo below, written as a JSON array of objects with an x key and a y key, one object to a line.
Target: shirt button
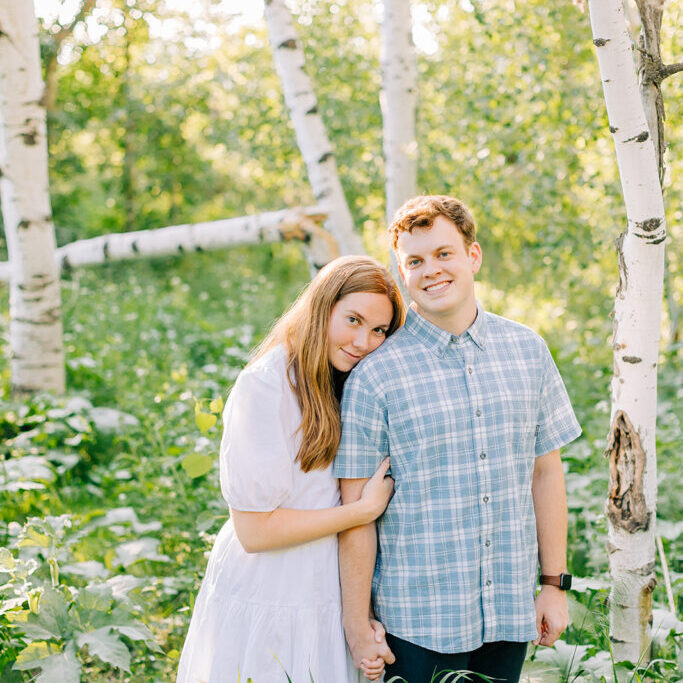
[
  {"x": 486, "y": 499},
  {"x": 470, "y": 370},
  {"x": 489, "y": 582},
  {"x": 478, "y": 413},
  {"x": 487, "y": 543},
  {"x": 482, "y": 456}
]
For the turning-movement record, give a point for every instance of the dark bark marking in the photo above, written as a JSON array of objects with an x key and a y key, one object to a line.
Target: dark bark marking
[
  {"x": 289, "y": 44},
  {"x": 198, "y": 248},
  {"x": 105, "y": 251},
  {"x": 135, "y": 248},
  {"x": 648, "y": 225},
  {"x": 613, "y": 129},
  {"x": 641, "y": 137},
  {"x": 23, "y": 224},
  {"x": 312, "y": 110},
  {"x": 657, "y": 241},
  {"x": 600, "y": 42},
  {"x": 30, "y": 138},
  {"x": 626, "y": 506},
  {"x": 325, "y": 157},
  {"x": 623, "y": 271},
  {"x": 321, "y": 195},
  {"x": 181, "y": 249},
  {"x": 632, "y": 359}
]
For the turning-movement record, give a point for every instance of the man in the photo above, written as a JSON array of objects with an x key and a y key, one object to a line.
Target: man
[{"x": 472, "y": 411}]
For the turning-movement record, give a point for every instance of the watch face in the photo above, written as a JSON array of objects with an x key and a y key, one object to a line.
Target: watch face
[{"x": 565, "y": 581}]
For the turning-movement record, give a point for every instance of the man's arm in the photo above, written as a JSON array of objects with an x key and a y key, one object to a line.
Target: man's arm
[
  {"x": 550, "y": 507},
  {"x": 357, "y": 554}
]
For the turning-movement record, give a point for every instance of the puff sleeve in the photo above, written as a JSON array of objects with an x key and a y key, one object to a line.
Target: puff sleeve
[{"x": 255, "y": 454}]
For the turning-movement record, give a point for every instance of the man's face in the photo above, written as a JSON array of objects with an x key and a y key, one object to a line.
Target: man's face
[{"x": 438, "y": 270}]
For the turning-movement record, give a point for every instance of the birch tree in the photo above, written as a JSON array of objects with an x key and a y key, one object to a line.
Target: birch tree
[
  {"x": 299, "y": 225},
  {"x": 651, "y": 73},
  {"x": 37, "y": 357},
  {"x": 308, "y": 125},
  {"x": 398, "y": 102},
  {"x": 632, "y": 493}
]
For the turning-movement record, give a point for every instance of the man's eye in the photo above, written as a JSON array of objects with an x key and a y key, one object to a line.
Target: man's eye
[{"x": 445, "y": 253}]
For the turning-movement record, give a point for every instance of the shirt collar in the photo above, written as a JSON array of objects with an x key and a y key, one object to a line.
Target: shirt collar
[{"x": 438, "y": 339}]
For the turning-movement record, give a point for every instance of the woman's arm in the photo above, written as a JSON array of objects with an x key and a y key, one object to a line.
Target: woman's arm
[{"x": 282, "y": 527}]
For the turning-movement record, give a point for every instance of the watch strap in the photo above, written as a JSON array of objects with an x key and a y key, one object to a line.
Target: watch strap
[{"x": 561, "y": 581}]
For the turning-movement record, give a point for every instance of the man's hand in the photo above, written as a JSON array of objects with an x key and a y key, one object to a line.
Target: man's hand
[
  {"x": 552, "y": 616},
  {"x": 368, "y": 645}
]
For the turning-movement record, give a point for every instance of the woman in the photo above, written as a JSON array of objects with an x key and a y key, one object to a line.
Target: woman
[{"x": 270, "y": 601}]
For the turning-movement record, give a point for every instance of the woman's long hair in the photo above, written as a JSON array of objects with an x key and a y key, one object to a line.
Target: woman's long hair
[{"x": 303, "y": 331}]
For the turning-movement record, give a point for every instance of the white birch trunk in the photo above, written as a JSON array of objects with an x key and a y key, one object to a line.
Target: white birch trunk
[
  {"x": 37, "y": 355},
  {"x": 637, "y": 319},
  {"x": 274, "y": 226},
  {"x": 398, "y": 101},
  {"x": 309, "y": 128}
]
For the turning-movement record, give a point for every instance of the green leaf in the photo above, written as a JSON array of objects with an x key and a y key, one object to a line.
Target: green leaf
[
  {"x": 205, "y": 520},
  {"x": 138, "y": 631},
  {"x": 107, "y": 646},
  {"x": 216, "y": 406},
  {"x": 205, "y": 421},
  {"x": 52, "y": 613},
  {"x": 7, "y": 561},
  {"x": 63, "y": 667},
  {"x": 33, "y": 654},
  {"x": 95, "y": 597},
  {"x": 32, "y": 537},
  {"x": 197, "y": 464}
]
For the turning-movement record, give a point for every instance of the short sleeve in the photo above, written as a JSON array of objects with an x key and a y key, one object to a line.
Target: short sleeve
[
  {"x": 255, "y": 458},
  {"x": 557, "y": 425},
  {"x": 364, "y": 441}
]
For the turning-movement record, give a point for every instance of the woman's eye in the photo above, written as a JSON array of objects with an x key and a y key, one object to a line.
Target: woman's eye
[
  {"x": 413, "y": 262},
  {"x": 352, "y": 319},
  {"x": 380, "y": 331}
]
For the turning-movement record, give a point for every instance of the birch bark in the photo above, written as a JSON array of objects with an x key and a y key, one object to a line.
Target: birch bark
[
  {"x": 37, "y": 356},
  {"x": 274, "y": 226},
  {"x": 398, "y": 102},
  {"x": 308, "y": 125},
  {"x": 637, "y": 319}
]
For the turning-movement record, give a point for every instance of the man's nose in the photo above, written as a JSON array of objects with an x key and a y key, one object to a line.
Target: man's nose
[{"x": 432, "y": 267}]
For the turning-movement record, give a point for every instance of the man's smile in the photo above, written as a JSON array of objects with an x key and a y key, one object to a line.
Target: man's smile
[{"x": 437, "y": 286}]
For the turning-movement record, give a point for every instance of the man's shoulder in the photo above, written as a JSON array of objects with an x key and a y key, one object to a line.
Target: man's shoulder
[
  {"x": 391, "y": 356},
  {"x": 500, "y": 329}
]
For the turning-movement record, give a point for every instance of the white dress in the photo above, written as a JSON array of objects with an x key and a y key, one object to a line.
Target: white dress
[{"x": 260, "y": 615}]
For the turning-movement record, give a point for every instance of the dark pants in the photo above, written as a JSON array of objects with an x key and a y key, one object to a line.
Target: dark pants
[{"x": 501, "y": 662}]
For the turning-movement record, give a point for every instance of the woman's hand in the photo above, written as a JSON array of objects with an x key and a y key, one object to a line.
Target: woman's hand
[
  {"x": 378, "y": 491},
  {"x": 374, "y": 668}
]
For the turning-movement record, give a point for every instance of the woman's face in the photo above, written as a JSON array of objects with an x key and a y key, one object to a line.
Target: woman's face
[{"x": 358, "y": 325}]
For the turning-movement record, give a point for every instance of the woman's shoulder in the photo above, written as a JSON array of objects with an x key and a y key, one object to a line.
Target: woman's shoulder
[{"x": 270, "y": 367}]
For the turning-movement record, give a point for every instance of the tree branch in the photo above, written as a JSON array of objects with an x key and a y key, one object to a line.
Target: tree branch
[{"x": 671, "y": 69}]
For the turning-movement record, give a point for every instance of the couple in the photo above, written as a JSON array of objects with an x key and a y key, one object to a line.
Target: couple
[{"x": 471, "y": 410}]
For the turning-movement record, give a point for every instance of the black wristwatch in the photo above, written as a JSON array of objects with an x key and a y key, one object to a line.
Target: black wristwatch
[{"x": 563, "y": 581}]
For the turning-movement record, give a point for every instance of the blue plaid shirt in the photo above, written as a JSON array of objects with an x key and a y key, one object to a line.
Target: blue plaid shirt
[{"x": 463, "y": 418}]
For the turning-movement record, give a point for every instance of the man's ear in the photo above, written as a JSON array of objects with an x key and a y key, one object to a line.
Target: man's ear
[{"x": 475, "y": 256}]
